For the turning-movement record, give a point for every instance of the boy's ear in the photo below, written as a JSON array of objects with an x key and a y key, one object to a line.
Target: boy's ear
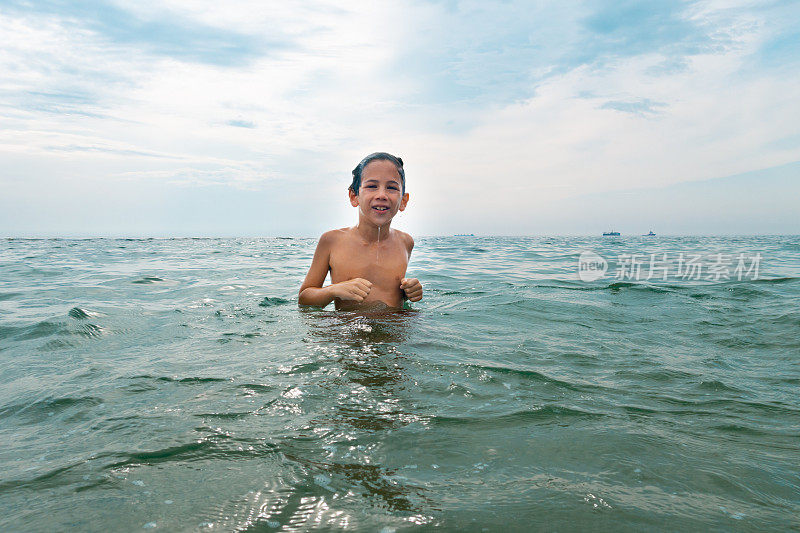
[
  {"x": 353, "y": 197},
  {"x": 403, "y": 202}
]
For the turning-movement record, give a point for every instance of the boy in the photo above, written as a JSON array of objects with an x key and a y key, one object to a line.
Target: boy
[{"x": 368, "y": 261}]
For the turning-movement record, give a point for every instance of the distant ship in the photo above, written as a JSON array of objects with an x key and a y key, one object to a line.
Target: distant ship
[
  {"x": 610, "y": 234},
  {"x": 651, "y": 234},
  {"x": 464, "y": 235}
]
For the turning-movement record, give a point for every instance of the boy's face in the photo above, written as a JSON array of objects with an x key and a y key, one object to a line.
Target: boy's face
[{"x": 380, "y": 196}]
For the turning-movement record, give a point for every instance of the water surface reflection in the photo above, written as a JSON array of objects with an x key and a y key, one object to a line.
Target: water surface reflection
[{"x": 361, "y": 394}]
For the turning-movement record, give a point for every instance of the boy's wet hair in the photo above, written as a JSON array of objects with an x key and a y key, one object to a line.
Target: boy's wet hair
[{"x": 377, "y": 156}]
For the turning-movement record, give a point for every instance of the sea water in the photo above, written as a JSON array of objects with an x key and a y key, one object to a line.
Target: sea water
[{"x": 176, "y": 385}]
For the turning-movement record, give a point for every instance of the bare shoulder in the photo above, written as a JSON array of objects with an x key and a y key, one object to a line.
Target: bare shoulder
[
  {"x": 331, "y": 237},
  {"x": 406, "y": 239}
]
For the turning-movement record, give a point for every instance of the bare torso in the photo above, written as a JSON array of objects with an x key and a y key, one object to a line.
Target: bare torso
[{"x": 381, "y": 262}]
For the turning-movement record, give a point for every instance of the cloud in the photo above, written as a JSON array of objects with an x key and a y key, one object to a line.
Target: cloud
[
  {"x": 104, "y": 150},
  {"x": 643, "y": 106},
  {"x": 237, "y": 177},
  {"x": 498, "y": 108},
  {"x": 238, "y": 123},
  {"x": 158, "y": 31},
  {"x": 498, "y": 53},
  {"x": 630, "y": 28}
]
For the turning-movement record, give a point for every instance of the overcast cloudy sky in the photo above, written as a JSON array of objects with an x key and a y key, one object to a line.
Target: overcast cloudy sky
[{"x": 184, "y": 117}]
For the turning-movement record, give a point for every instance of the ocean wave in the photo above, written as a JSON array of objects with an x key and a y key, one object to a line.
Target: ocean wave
[
  {"x": 38, "y": 410},
  {"x": 41, "y": 329},
  {"x": 81, "y": 314},
  {"x": 212, "y": 447},
  {"x": 615, "y": 286},
  {"x": 186, "y": 381},
  {"x": 535, "y": 376},
  {"x": 788, "y": 279},
  {"x": 546, "y": 414},
  {"x": 51, "y": 479},
  {"x": 717, "y": 386},
  {"x": 148, "y": 280},
  {"x": 49, "y": 328},
  {"x": 232, "y": 415},
  {"x": 664, "y": 375},
  {"x": 251, "y": 389},
  {"x": 726, "y": 405},
  {"x": 272, "y": 301}
]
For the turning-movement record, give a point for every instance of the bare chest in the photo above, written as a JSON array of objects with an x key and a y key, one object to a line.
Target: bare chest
[{"x": 383, "y": 264}]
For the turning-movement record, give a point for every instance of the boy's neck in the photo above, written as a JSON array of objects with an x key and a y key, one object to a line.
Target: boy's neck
[{"x": 372, "y": 233}]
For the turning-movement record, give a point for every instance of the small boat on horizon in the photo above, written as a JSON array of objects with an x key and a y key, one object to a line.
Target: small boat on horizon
[
  {"x": 610, "y": 234},
  {"x": 651, "y": 234},
  {"x": 464, "y": 235}
]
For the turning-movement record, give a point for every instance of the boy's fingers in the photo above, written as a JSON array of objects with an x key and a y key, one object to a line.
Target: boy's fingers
[
  {"x": 413, "y": 286},
  {"x": 405, "y": 283},
  {"x": 362, "y": 284}
]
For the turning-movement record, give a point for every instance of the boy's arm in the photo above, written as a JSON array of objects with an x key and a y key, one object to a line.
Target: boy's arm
[
  {"x": 313, "y": 293},
  {"x": 409, "y": 244},
  {"x": 412, "y": 288}
]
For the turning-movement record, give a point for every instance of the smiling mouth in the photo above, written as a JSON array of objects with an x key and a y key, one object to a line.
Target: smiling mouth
[{"x": 380, "y": 208}]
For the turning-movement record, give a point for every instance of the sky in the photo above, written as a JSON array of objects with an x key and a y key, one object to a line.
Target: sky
[{"x": 207, "y": 118}]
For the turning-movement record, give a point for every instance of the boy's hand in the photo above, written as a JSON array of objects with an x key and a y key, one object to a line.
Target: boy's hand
[
  {"x": 412, "y": 288},
  {"x": 355, "y": 289}
]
